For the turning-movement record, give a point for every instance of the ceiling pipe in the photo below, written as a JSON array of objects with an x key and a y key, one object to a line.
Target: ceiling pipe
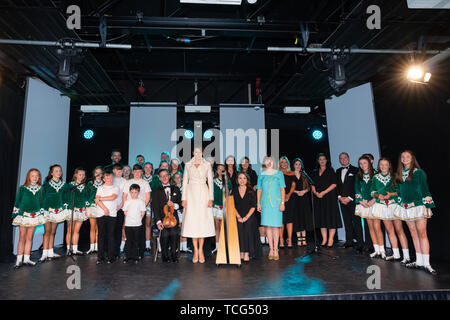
[
  {"x": 437, "y": 58},
  {"x": 352, "y": 50},
  {"x": 64, "y": 44}
]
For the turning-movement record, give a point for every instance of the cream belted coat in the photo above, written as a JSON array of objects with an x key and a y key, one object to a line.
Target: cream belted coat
[{"x": 198, "y": 220}]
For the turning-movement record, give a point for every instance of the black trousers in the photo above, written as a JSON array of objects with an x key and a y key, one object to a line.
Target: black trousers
[
  {"x": 118, "y": 231},
  {"x": 106, "y": 226},
  {"x": 132, "y": 244},
  {"x": 169, "y": 242},
  {"x": 352, "y": 224},
  {"x": 142, "y": 238}
]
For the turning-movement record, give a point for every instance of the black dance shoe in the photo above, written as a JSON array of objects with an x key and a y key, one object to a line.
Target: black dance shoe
[
  {"x": 100, "y": 261},
  {"x": 125, "y": 261},
  {"x": 136, "y": 261},
  {"x": 430, "y": 270},
  {"x": 404, "y": 262},
  {"x": 165, "y": 259},
  {"x": 413, "y": 265},
  {"x": 346, "y": 245},
  {"x": 175, "y": 260},
  {"x": 359, "y": 250}
]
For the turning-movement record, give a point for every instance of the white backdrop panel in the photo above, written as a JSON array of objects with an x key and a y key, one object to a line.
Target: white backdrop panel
[
  {"x": 45, "y": 137},
  {"x": 252, "y": 123},
  {"x": 352, "y": 127},
  {"x": 150, "y": 132}
]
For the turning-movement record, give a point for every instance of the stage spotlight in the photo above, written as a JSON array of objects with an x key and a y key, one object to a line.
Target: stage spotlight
[
  {"x": 418, "y": 74},
  {"x": 208, "y": 134},
  {"x": 336, "y": 63},
  {"x": 66, "y": 72},
  {"x": 317, "y": 134},
  {"x": 88, "y": 134},
  {"x": 188, "y": 134}
]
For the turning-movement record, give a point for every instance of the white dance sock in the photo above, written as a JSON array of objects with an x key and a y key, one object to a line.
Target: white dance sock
[
  {"x": 405, "y": 254},
  {"x": 92, "y": 247},
  {"x": 426, "y": 259},
  {"x": 26, "y": 259},
  {"x": 44, "y": 254},
  {"x": 95, "y": 246},
  {"x": 74, "y": 247},
  {"x": 377, "y": 248},
  {"x": 147, "y": 244},
  {"x": 396, "y": 253},
  {"x": 51, "y": 253},
  {"x": 19, "y": 259},
  {"x": 419, "y": 259},
  {"x": 122, "y": 245}
]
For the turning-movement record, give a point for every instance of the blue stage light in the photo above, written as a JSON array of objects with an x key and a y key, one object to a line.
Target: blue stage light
[
  {"x": 189, "y": 134},
  {"x": 317, "y": 134},
  {"x": 208, "y": 134},
  {"x": 88, "y": 134}
]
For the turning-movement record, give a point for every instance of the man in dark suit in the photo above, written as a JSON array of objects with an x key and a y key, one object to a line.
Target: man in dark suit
[
  {"x": 346, "y": 195},
  {"x": 170, "y": 195}
]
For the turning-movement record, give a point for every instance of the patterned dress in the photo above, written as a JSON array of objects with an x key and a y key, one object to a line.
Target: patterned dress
[
  {"x": 363, "y": 192},
  {"x": 77, "y": 199},
  {"x": 91, "y": 206},
  {"x": 384, "y": 209},
  {"x": 414, "y": 197},
  {"x": 53, "y": 200},
  {"x": 28, "y": 210}
]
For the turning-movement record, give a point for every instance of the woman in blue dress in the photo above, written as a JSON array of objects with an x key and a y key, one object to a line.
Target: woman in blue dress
[{"x": 270, "y": 199}]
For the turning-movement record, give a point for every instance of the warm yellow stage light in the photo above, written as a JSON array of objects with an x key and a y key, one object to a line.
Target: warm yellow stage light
[
  {"x": 415, "y": 73},
  {"x": 427, "y": 77}
]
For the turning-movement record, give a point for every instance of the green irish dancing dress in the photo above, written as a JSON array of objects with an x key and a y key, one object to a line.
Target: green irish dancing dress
[
  {"x": 271, "y": 185},
  {"x": 414, "y": 197},
  {"x": 91, "y": 206},
  {"x": 154, "y": 182},
  {"x": 79, "y": 198},
  {"x": 28, "y": 210},
  {"x": 53, "y": 193},
  {"x": 218, "y": 198},
  {"x": 362, "y": 192},
  {"x": 384, "y": 209}
]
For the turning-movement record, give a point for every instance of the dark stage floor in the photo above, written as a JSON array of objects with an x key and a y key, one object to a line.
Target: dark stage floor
[{"x": 287, "y": 278}]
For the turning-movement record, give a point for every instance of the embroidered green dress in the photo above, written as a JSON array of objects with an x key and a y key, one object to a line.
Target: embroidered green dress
[
  {"x": 91, "y": 206},
  {"x": 53, "y": 193},
  {"x": 28, "y": 210},
  {"x": 414, "y": 198},
  {"x": 218, "y": 198},
  {"x": 154, "y": 182},
  {"x": 363, "y": 192},
  {"x": 79, "y": 198},
  {"x": 384, "y": 209}
]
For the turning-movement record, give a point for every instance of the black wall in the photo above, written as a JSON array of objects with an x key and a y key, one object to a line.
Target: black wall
[
  {"x": 11, "y": 114},
  {"x": 416, "y": 117}
]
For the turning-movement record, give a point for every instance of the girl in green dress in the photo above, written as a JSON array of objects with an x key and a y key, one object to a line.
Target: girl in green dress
[
  {"x": 415, "y": 207},
  {"x": 218, "y": 200},
  {"x": 27, "y": 214},
  {"x": 53, "y": 191},
  {"x": 76, "y": 202},
  {"x": 384, "y": 190},
  {"x": 364, "y": 205},
  {"x": 91, "y": 209}
]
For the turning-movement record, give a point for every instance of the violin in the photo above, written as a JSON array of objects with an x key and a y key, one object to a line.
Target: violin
[{"x": 169, "y": 220}]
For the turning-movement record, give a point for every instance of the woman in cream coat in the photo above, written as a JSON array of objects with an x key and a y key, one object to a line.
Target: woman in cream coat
[{"x": 197, "y": 200}]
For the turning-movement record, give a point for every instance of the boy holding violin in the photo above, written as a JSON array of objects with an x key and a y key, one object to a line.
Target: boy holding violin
[{"x": 165, "y": 201}]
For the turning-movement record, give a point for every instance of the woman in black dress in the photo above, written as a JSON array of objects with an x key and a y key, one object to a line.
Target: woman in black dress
[
  {"x": 245, "y": 204},
  {"x": 325, "y": 201},
  {"x": 288, "y": 214},
  {"x": 301, "y": 203}
]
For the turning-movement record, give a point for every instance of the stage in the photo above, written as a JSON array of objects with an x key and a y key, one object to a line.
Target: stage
[{"x": 315, "y": 277}]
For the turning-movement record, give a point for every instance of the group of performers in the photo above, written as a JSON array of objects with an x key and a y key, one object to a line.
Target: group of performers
[{"x": 127, "y": 206}]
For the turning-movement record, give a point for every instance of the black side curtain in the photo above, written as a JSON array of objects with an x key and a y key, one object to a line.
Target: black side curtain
[{"x": 11, "y": 115}]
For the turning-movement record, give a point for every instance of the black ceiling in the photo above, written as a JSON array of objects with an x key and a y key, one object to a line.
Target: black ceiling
[{"x": 227, "y": 49}]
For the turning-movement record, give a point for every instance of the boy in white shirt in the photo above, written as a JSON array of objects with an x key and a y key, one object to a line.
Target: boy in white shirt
[
  {"x": 144, "y": 194},
  {"x": 106, "y": 218},
  {"x": 134, "y": 210}
]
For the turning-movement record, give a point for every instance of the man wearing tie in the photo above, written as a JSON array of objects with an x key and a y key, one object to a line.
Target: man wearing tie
[
  {"x": 346, "y": 195},
  {"x": 170, "y": 195}
]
